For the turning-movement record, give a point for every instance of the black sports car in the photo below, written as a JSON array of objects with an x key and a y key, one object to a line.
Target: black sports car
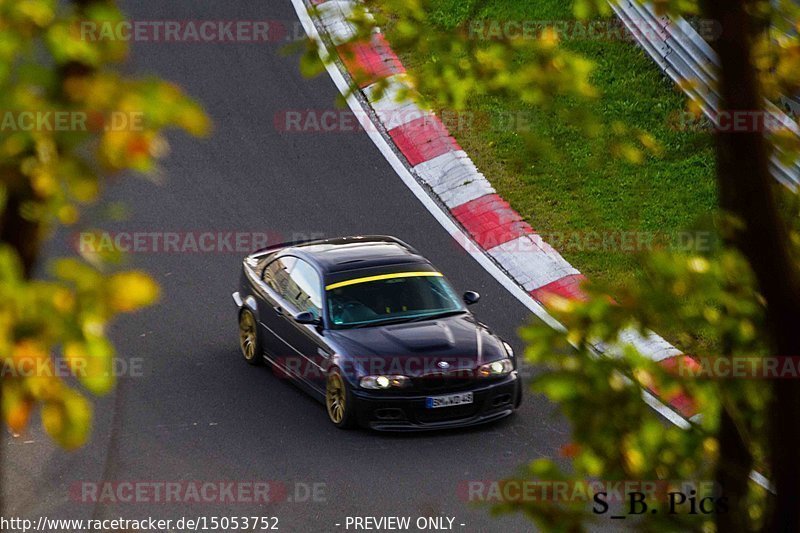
[{"x": 368, "y": 326}]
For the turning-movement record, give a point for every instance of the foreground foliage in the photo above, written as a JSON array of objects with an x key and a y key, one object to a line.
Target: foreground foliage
[{"x": 53, "y": 319}]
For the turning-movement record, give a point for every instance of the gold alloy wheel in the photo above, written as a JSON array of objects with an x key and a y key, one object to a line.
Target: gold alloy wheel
[
  {"x": 335, "y": 398},
  {"x": 247, "y": 335}
]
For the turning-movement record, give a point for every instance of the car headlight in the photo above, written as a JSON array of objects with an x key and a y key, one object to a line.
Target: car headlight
[
  {"x": 500, "y": 367},
  {"x": 384, "y": 382}
]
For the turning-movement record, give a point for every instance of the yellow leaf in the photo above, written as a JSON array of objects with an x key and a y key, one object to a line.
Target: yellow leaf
[
  {"x": 549, "y": 37},
  {"x": 92, "y": 363},
  {"x": 130, "y": 291},
  {"x": 16, "y": 406},
  {"x": 68, "y": 215},
  {"x": 63, "y": 300},
  {"x": 68, "y": 419}
]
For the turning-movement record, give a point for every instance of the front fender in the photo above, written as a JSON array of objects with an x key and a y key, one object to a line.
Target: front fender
[{"x": 349, "y": 368}]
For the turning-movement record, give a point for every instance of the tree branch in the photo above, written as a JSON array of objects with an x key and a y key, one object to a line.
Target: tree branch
[{"x": 746, "y": 192}]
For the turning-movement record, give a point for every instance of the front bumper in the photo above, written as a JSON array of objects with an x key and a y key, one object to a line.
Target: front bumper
[{"x": 491, "y": 401}]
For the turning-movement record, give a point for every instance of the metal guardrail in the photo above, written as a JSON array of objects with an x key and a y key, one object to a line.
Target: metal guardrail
[
  {"x": 691, "y": 63},
  {"x": 792, "y": 105}
]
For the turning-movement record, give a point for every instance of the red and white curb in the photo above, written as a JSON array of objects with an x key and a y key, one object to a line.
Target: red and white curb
[{"x": 435, "y": 159}]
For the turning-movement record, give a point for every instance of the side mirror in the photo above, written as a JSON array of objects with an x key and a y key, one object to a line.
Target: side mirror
[
  {"x": 307, "y": 317},
  {"x": 471, "y": 297}
]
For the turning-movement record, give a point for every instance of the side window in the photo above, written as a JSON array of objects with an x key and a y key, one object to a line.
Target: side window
[
  {"x": 305, "y": 291},
  {"x": 276, "y": 275}
]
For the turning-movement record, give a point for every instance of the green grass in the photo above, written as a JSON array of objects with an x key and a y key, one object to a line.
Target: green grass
[{"x": 583, "y": 189}]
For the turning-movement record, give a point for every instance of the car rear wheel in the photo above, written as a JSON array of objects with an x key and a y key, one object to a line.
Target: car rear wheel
[
  {"x": 248, "y": 338},
  {"x": 339, "y": 400}
]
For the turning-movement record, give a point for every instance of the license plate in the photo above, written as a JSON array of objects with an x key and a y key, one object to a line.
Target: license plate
[{"x": 435, "y": 402}]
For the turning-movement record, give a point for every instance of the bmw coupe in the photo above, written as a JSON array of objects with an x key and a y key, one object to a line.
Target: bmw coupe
[{"x": 374, "y": 331}]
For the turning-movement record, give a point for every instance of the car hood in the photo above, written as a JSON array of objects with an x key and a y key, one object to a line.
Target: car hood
[{"x": 418, "y": 348}]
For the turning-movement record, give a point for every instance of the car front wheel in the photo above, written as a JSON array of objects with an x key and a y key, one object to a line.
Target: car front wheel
[
  {"x": 339, "y": 400},
  {"x": 248, "y": 338}
]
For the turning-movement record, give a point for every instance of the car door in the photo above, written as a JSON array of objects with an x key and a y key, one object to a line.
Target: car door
[
  {"x": 302, "y": 293},
  {"x": 275, "y": 278}
]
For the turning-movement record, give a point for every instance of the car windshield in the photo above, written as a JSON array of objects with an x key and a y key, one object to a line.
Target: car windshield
[{"x": 395, "y": 297}]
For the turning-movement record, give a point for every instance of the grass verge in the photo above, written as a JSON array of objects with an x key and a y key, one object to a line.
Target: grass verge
[{"x": 582, "y": 190}]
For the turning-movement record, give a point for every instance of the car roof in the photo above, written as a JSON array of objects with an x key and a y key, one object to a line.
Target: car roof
[{"x": 351, "y": 253}]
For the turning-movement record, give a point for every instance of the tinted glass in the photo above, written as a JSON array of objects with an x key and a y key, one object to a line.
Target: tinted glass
[
  {"x": 306, "y": 292},
  {"x": 389, "y": 299},
  {"x": 276, "y": 275}
]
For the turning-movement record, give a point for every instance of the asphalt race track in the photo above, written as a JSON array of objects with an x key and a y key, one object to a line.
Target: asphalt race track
[{"x": 199, "y": 412}]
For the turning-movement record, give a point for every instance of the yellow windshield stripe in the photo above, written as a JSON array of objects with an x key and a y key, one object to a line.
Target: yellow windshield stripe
[{"x": 383, "y": 276}]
